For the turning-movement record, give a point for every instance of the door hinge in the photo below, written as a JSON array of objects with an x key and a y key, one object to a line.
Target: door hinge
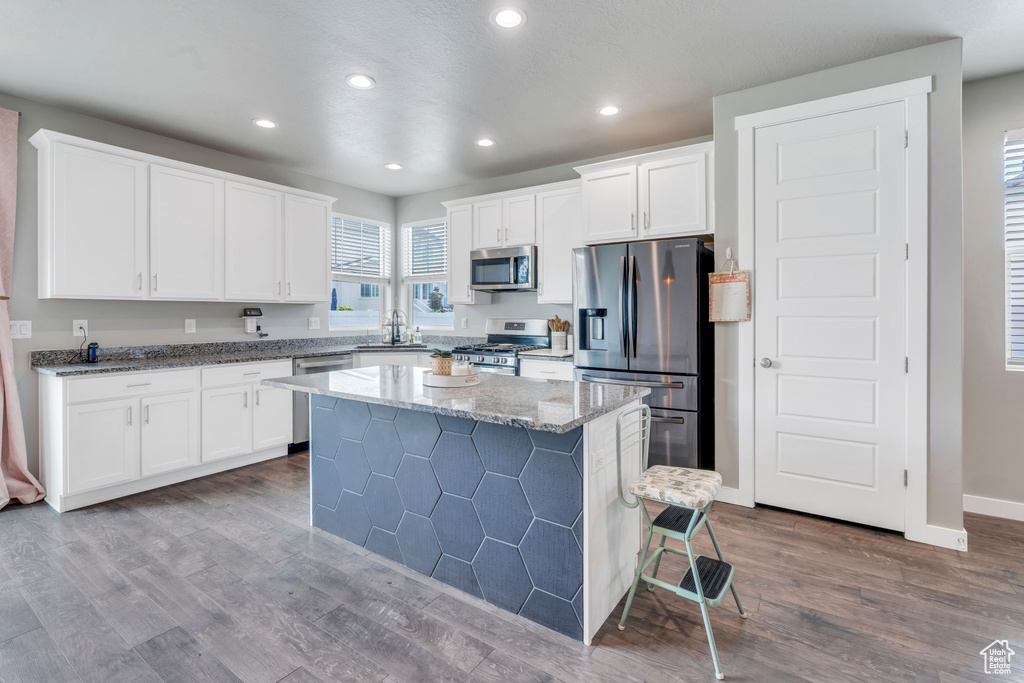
[
  {"x": 906, "y": 364},
  {"x": 906, "y": 251},
  {"x": 906, "y": 139},
  {"x": 904, "y": 477}
]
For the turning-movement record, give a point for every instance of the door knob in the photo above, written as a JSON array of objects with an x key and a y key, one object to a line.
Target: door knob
[{"x": 766, "y": 362}]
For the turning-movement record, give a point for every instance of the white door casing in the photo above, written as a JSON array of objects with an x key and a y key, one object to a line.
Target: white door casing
[{"x": 830, "y": 217}]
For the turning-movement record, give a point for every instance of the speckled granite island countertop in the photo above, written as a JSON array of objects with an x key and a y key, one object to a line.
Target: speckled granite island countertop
[{"x": 537, "y": 404}]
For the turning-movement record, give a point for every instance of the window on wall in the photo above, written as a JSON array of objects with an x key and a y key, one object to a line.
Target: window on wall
[
  {"x": 360, "y": 270},
  {"x": 425, "y": 273},
  {"x": 1013, "y": 216}
]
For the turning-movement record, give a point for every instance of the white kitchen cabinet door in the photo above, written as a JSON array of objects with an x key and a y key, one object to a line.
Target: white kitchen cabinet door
[
  {"x": 271, "y": 417},
  {"x": 520, "y": 218},
  {"x": 253, "y": 244},
  {"x": 103, "y": 444},
  {"x": 460, "y": 236},
  {"x": 307, "y": 250},
  {"x": 170, "y": 432},
  {"x": 487, "y": 224},
  {"x": 673, "y": 196},
  {"x": 559, "y": 231},
  {"x": 227, "y": 422},
  {"x": 610, "y": 205},
  {"x": 186, "y": 235},
  {"x": 95, "y": 247}
]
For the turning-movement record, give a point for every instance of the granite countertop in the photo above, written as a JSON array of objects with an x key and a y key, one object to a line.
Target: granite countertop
[
  {"x": 64, "y": 363},
  {"x": 540, "y": 404},
  {"x": 548, "y": 354}
]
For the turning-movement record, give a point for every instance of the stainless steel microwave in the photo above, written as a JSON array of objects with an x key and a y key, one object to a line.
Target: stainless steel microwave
[{"x": 500, "y": 270}]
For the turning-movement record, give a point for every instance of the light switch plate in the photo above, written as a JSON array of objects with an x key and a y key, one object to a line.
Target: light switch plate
[
  {"x": 190, "y": 326},
  {"x": 314, "y": 323},
  {"x": 465, "y": 323},
  {"x": 80, "y": 328},
  {"x": 21, "y": 329}
]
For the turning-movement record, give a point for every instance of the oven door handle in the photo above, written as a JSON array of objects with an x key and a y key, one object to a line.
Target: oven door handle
[
  {"x": 633, "y": 383},
  {"x": 668, "y": 420}
]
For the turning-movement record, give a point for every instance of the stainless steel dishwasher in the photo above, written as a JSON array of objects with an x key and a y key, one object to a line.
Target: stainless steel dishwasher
[{"x": 300, "y": 405}]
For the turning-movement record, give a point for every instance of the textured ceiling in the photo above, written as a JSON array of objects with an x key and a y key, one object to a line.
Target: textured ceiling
[{"x": 200, "y": 70}]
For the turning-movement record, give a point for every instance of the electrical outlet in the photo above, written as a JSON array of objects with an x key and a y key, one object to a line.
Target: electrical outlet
[
  {"x": 190, "y": 326},
  {"x": 80, "y": 328},
  {"x": 250, "y": 325},
  {"x": 21, "y": 329},
  {"x": 465, "y": 323},
  {"x": 314, "y": 323}
]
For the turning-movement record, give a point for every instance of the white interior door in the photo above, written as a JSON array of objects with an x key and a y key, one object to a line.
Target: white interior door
[{"x": 830, "y": 315}]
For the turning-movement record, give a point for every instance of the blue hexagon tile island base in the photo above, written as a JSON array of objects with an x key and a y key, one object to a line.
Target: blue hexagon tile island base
[{"x": 492, "y": 510}]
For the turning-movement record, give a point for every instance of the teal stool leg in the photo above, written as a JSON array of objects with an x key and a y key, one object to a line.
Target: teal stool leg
[
  {"x": 636, "y": 578},
  {"x": 657, "y": 563},
  {"x": 704, "y": 611},
  {"x": 732, "y": 584}
]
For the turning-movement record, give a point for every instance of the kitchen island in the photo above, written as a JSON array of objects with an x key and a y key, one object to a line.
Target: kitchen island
[{"x": 506, "y": 490}]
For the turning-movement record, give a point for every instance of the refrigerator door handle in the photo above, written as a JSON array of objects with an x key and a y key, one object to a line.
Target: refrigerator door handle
[
  {"x": 634, "y": 308},
  {"x": 623, "y": 295},
  {"x": 633, "y": 382}
]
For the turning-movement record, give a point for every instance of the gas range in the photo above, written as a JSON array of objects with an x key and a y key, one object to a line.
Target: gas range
[{"x": 506, "y": 339}]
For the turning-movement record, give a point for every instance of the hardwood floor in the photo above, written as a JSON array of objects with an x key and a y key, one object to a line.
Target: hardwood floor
[{"x": 222, "y": 579}]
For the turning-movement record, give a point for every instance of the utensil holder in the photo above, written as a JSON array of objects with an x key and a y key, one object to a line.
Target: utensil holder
[
  {"x": 441, "y": 366},
  {"x": 558, "y": 341}
]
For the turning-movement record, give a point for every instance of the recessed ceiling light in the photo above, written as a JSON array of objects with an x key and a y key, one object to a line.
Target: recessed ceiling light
[
  {"x": 485, "y": 142},
  {"x": 361, "y": 81},
  {"x": 508, "y": 17},
  {"x": 394, "y": 167},
  {"x": 610, "y": 110},
  {"x": 265, "y": 123}
]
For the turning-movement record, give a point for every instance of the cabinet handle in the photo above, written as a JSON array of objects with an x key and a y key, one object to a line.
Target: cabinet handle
[
  {"x": 279, "y": 288},
  {"x": 145, "y": 413},
  {"x": 246, "y": 374},
  {"x": 140, "y": 384},
  {"x": 467, "y": 291},
  {"x": 154, "y": 282},
  {"x": 499, "y": 234},
  {"x": 257, "y": 397},
  {"x": 632, "y": 222},
  {"x": 140, "y": 282},
  {"x": 647, "y": 223},
  {"x": 245, "y": 400},
  {"x": 289, "y": 289},
  {"x": 506, "y": 233},
  {"x": 129, "y": 416}
]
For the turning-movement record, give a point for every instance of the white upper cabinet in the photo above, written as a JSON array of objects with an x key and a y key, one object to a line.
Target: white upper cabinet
[
  {"x": 93, "y": 224},
  {"x": 186, "y": 235},
  {"x": 460, "y": 235},
  {"x": 559, "y": 231},
  {"x": 253, "y": 243},
  {"x": 610, "y": 204},
  {"x": 656, "y": 195},
  {"x": 120, "y": 224},
  {"x": 487, "y": 224},
  {"x": 307, "y": 249},
  {"x": 520, "y": 220}
]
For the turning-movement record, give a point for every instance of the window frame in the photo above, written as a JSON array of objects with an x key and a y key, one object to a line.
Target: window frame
[
  {"x": 409, "y": 280},
  {"x": 1012, "y": 252},
  {"x": 384, "y": 281}
]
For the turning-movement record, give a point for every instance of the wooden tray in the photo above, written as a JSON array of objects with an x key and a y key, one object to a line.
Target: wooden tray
[{"x": 451, "y": 381}]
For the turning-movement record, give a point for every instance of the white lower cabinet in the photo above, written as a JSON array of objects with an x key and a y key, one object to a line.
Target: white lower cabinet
[
  {"x": 546, "y": 369},
  {"x": 103, "y": 444},
  {"x": 108, "y": 436}
]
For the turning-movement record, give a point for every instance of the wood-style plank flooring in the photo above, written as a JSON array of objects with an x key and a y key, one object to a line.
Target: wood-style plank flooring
[{"x": 222, "y": 579}]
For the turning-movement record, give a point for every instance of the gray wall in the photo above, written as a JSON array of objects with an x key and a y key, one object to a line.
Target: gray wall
[
  {"x": 427, "y": 205},
  {"x": 941, "y": 60},
  {"x": 125, "y": 323},
  {"x": 993, "y": 395}
]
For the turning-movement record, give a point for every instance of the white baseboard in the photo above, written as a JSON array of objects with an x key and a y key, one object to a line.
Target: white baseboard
[
  {"x": 938, "y": 536},
  {"x": 994, "y": 507},
  {"x": 733, "y": 496}
]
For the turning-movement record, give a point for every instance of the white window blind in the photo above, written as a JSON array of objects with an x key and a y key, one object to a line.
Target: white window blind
[
  {"x": 360, "y": 248},
  {"x": 426, "y": 250},
  {"x": 1013, "y": 217}
]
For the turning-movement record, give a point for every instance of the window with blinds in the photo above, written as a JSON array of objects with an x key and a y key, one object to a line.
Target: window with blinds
[
  {"x": 426, "y": 249},
  {"x": 1013, "y": 220},
  {"x": 360, "y": 248}
]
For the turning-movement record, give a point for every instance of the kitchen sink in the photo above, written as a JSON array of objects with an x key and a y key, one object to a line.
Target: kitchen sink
[{"x": 391, "y": 346}]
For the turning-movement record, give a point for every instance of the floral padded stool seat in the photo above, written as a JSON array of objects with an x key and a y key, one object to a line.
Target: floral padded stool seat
[{"x": 689, "y": 494}]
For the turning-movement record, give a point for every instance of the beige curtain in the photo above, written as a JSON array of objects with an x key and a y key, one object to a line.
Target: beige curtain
[{"x": 17, "y": 483}]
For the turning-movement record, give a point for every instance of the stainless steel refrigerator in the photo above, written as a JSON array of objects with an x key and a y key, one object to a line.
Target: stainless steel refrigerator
[{"x": 641, "y": 314}]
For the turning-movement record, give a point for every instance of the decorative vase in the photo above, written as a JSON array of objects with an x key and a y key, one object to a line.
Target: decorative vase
[{"x": 441, "y": 366}]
